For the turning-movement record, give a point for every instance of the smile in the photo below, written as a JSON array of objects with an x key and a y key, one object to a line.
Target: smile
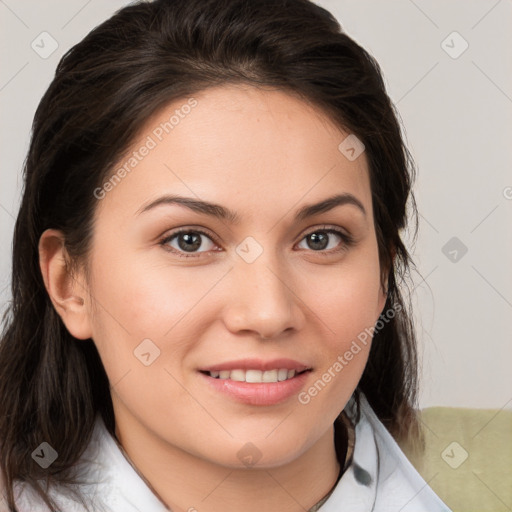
[
  {"x": 255, "y": 376},
  {"x": 256, "y": 382}
]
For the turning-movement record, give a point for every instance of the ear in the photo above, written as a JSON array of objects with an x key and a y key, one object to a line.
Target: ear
[
  {"x": 67, "y": 292},
  {"x": 383, "y": 292}
]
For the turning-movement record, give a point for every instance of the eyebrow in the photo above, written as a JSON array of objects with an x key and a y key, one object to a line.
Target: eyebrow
[{"x": 221, "y": 212}]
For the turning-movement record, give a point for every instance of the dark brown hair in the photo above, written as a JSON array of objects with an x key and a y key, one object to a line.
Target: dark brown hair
[{"x": 105, "y": 89}]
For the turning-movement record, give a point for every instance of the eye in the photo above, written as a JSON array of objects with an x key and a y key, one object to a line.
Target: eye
[
  {"x": 186, "y": 241},
  {"x": 324, "y": 240}
]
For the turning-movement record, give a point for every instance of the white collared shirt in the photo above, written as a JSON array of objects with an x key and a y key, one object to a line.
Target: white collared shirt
[{"x": 379, "y": 479}]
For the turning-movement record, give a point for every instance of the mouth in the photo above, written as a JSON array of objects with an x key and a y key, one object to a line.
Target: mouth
[
  {"x": 255, "y": 382},
  {"x": 255, "y": 376}
]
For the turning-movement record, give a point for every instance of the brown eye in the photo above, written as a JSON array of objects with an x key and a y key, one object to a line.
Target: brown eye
[{"x": 186, "y": 241}]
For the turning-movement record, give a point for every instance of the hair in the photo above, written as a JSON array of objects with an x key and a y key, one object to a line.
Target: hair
[{"x": 105, "y": 89}]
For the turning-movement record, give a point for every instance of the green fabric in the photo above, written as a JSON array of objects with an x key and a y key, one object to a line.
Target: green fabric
[{"x": 468, "y": 457}]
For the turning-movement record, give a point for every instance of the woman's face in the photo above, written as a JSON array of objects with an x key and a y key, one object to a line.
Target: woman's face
[{"x": 255, "y": 287}]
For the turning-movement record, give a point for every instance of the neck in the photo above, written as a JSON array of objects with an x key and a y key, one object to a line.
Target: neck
[{"x": 188, "y": 483}]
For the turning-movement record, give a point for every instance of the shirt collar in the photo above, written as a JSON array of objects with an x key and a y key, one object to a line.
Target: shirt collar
[
  {"x": 378, "y": 473},
  {"x": 356, "y": 491}
]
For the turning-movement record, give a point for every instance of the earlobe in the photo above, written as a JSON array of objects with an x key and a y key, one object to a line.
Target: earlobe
[
  {"x": 383, "y": 292},
  {"x": 384, "y": 289},
  {"x": 66, "y": 291}
]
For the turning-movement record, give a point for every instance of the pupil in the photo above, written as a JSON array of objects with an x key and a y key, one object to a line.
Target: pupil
[
  {"x": 189, "y": 245},
  {"x": 319, "y": 240}
]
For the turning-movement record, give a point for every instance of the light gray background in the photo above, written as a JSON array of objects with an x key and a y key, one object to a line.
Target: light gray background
[{"x": 457, "y": 113}]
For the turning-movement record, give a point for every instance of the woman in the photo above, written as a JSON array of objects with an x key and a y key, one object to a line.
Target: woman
[{"x": 205, "y": 270}]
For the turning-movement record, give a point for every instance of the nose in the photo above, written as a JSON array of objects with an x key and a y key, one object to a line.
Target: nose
[{"x": 261, "y": 299}]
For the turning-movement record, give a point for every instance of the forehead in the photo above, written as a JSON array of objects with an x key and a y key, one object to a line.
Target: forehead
[{"x": 240, "y": 146}]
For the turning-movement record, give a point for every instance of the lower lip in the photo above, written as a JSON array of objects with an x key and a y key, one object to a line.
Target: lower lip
[{"x": 268, "y": 393}]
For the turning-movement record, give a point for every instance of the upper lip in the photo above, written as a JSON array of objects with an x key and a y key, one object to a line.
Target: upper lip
[{"x": 257, "y": 364}]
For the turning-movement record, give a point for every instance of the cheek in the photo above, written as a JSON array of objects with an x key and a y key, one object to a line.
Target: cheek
[
  {"x": 137, "y": 300},
  {"x": 144, "y": 327},
  {"x": 149, "y": 300},
  {"x": 349, "y": 307},
  {"x": 349, "y": 300},
  {"x": 349, "y": 310}
]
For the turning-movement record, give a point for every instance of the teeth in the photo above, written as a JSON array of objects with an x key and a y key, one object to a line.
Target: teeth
[
  {"x": 269, "y": 376},
  {"x": 254, "y": 376},
  {"x": 282, "y": 374},
  {"x": 238, "y": 375}
]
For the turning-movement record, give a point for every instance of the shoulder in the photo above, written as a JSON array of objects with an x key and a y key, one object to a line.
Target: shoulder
[
  {"x": 108, "y": 482},
  {"x": 398, "y": 480},
  {"x": 380, "y": 477},
  {"x": 91, "y": 494},
  {"x": 28, "y": 500},
  {"x": 25, "y": 497}
]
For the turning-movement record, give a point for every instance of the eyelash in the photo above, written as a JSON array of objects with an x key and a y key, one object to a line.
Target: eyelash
[{"x": 348, "y": 241}]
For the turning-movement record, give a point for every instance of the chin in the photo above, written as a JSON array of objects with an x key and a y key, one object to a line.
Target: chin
[{"x": 260, "y": 454}]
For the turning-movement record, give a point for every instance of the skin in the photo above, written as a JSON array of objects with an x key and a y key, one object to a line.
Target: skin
[{"x": 263, "y": 154}]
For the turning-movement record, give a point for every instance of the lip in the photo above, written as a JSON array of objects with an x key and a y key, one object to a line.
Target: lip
[
  {"x": 257, "y": 364},
  {"x": 261, "y": 394}
]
